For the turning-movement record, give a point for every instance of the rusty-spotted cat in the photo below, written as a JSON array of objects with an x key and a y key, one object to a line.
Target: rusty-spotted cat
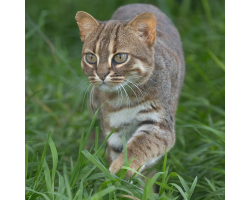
[{"x": 136, "y": 65}]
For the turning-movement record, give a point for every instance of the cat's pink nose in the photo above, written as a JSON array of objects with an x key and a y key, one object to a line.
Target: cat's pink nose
[{"x": 102, "y": 76}]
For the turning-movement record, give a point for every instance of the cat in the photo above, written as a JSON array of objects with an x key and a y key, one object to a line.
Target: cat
[{"x": 135, "y": 63}]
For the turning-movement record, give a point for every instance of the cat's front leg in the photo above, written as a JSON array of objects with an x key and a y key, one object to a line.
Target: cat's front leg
[{"x": 146, "y": 146}]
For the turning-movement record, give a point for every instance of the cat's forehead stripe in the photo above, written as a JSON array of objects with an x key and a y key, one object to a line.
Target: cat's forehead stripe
[
  {"x": 106, "y": 41},
  {"x": 113, "y": 38},
  {"x": 97, "y": 41},
  {"x": 116, "y": 37},
  {"x": 103, "y": 37},
  {"x": 112, "y": 43},
  {"x": 94, "y": 38}
]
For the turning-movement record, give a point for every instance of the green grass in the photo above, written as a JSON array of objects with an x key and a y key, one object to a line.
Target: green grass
[{"x": 62, "y": 159}]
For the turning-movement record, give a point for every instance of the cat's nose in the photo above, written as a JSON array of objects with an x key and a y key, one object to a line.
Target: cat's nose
[{"x": 102, "y": 76}]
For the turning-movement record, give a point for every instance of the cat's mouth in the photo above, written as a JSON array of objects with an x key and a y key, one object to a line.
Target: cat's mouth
[{"x": 107, "y": 84}]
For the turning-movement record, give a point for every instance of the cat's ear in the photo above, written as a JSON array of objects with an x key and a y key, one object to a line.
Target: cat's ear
[
  {"x": 86, "y": 24},
  {"x": 145, "y": 24}
]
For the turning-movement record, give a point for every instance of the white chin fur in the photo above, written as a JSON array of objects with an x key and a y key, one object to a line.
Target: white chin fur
[{"x": 107, "y": 88}]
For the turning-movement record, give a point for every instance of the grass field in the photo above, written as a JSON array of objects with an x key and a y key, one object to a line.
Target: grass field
[{"x": 63, "y": 162}]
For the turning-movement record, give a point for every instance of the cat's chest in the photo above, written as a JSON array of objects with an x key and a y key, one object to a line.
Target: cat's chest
[
  {"x": 127, "y": 116},
  {"x": 128, "y": 119},
  {"x": 125, "y": 121}
]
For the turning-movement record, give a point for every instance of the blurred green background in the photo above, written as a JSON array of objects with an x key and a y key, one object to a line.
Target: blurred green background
[{"x": 56, "y": 86}]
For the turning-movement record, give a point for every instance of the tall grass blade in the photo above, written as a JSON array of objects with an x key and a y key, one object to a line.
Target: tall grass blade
[
  {"x": 98, "y": 164},
  {"x": 124, "y": 149},
  {"x": 164, "y": 176},
  {"x": 104, "y": 142},
  {"x": 48, "y": 179},
  {"x": 210, "y": 184},
  {"x": 165, "y": 161},
  {"x": 76, "y": 169},
  {"x": 55, "y": 161},
  {"x": 67, "y": 186},
  {"x": 96, "y": 137},
  {"x": 207, "y": 9},
  {"x": 71, "y": 165},
  {"x": 145, "y": 192},
  {"x": 40, "y": 193},
  {"x": 115, "y": 196},
  {"x": 61, "y": 186},
  {"x": 102, "y": 193},
  {"x": 184, "y": 184},
  {"x": 78, "y": 195},
  {"x": 180, "y": 190},
  {"x": 156, "y": 182},
  {"x": 90, "y": 128},
  {"x": 193, "y": 187},
  {"x": 41, "y": 163},
  {"x": 150, "y": 184},
  {"x": 80, "y": 191},
  {"x": 216, "y": 60},
  {"x": 88, "y": 173},
  {"x": 26, "y": 161}
]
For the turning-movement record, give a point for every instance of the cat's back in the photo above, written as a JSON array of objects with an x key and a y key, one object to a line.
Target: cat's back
[{"x": 128, "y": 12}]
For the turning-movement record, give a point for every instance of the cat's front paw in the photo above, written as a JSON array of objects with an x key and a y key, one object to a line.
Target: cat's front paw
[{"x": 116, "y": 165}]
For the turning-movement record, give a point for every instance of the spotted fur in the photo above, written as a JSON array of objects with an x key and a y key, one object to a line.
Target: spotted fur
[{"x": 141, "y": 94}]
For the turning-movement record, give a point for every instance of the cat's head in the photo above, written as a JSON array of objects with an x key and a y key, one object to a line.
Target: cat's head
[{"x": 117, "y": 52}]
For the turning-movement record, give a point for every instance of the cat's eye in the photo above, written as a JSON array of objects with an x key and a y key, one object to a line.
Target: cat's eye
[
  {"x": 90, "y": 58},
  {"x": 120, "y": 58}
]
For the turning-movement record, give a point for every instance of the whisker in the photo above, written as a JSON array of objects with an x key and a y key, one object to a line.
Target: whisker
[
  {"x": 118, "y": 92},
  {"x": 127, "y": 97},
  {"x": 82, "y": 83},
  {"x": 136, "y": 87},
  {"x": 142, "y": 87},
  {"x": 79, "y": 77},
  {"x": 121, "y": 96},
  {"x": 85, "y": 94},
  {"x": 91, "y": 98},
  {"x": 133, "y": 92}
]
